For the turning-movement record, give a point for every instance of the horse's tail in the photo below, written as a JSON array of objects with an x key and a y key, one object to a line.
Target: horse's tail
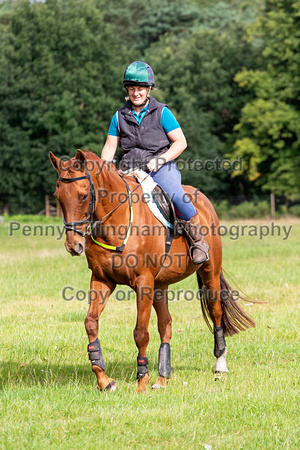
[{"x": 234, "y": 319}]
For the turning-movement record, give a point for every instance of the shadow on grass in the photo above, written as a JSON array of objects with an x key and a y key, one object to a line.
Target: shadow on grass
[{"x": 48, "y": 374}]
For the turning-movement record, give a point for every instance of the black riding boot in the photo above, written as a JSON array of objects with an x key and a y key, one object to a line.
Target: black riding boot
[{"x": 198, "y": 247}]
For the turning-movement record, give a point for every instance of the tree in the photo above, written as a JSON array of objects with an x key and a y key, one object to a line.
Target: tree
[
  {"x": 196, "y": 71},
  {"x": 60, "y": 73},
  {"x": 140, "y": 23},
  {"x": 268, "y": 133}
]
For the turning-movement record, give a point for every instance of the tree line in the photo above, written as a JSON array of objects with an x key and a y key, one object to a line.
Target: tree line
[{"x": 228, "y": 70}]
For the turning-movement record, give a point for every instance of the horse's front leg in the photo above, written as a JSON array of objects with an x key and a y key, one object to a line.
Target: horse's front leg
[
  {"x": 144, "y": 294},
  {"x": 164, "y": 323},
  {"x": 101, "y": 292}
]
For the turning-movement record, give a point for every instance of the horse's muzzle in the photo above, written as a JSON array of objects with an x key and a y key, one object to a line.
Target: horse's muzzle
[{"x": 76, "y": 249}]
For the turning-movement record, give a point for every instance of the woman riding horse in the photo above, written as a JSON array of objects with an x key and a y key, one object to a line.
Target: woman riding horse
[
  {"x": 142, "y": 127},
  {"x": 145, "y": 129}
]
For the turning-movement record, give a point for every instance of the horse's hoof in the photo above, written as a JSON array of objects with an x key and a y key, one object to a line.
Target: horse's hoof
[
  {"x": 142, "y": 384},
  {"x": 222, "y": 371},
  {"x": 157, "y": 386},
  {"x": 161, "y": 383},
  {"x": 111, "y": 387}
]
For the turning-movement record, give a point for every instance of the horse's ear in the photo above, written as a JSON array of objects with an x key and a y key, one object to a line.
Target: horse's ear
[
  {"x": 80, "y": 155},
  {"x": 54, "y": 160}
]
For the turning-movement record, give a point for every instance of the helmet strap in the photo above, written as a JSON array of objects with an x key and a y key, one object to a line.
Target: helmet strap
[
  {"x": 142, "y": 104},
  {"x": 145, "y": 102}
]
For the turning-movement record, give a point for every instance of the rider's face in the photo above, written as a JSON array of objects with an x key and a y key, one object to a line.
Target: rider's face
[{"x": 138, "y": 94}]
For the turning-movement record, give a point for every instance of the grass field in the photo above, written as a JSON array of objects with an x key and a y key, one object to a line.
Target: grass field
[{"x": 47, "y": 390}]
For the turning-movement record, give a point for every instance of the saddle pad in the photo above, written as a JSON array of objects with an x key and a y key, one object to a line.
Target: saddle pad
[{"x": 148, "y": 184}]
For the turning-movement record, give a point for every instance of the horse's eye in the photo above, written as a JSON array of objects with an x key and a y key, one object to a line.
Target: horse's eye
[{"x": 84, "y": 197}]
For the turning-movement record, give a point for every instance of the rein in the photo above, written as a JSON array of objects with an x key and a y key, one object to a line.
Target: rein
[
  {"x": 121, "y": 247},
  {"x": 129, "y": 197}
]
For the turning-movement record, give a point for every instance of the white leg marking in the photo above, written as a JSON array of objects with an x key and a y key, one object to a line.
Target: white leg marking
[
  {"x": 157, "y": 386},
  {"x": 221, "y": 365}
]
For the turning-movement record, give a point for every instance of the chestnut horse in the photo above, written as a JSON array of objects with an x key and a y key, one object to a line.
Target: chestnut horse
[{"x": 136, "y": 260}]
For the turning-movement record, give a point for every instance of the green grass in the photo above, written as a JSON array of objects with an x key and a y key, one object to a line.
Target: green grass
[{"x": 47, "y": 390}]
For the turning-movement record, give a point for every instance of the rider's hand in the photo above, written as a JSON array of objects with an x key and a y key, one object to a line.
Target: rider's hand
[
  {"x": 155, "y": 163},
  {"x": 152, "y": 165}
]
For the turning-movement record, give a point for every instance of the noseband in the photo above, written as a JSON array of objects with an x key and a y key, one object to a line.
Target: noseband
[{"x": 71, "y": 226}]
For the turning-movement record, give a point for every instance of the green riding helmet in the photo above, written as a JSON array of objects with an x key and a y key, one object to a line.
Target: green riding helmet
[{"x": 138, "y": 73}]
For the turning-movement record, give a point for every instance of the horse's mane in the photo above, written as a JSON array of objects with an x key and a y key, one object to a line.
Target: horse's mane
[
  {"x": 108, "y": 169},
  {"x": 90, "y": 156}
]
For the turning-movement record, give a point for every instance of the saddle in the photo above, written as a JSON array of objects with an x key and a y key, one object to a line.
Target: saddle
[
  {"x": 159, "y": 202},
  {"x": 166, "y": 207}
]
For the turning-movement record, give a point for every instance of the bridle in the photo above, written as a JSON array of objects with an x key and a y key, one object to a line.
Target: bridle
[{"x": 71, "y": 226}]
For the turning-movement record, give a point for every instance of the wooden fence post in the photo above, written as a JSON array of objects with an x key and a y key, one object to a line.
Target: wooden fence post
[
  {"x": 47, "y": 206},
  {"x": 272, "y": 199}
]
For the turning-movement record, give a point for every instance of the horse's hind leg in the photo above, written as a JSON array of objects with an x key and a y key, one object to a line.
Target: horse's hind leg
[
  {"x": 164, "y": 323},
  {"x": 101, "y": 292},
  {"x": 212, "y": 307}
]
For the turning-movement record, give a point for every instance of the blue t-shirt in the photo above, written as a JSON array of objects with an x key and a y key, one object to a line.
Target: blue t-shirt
[{"x": 167, "y": 121}]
